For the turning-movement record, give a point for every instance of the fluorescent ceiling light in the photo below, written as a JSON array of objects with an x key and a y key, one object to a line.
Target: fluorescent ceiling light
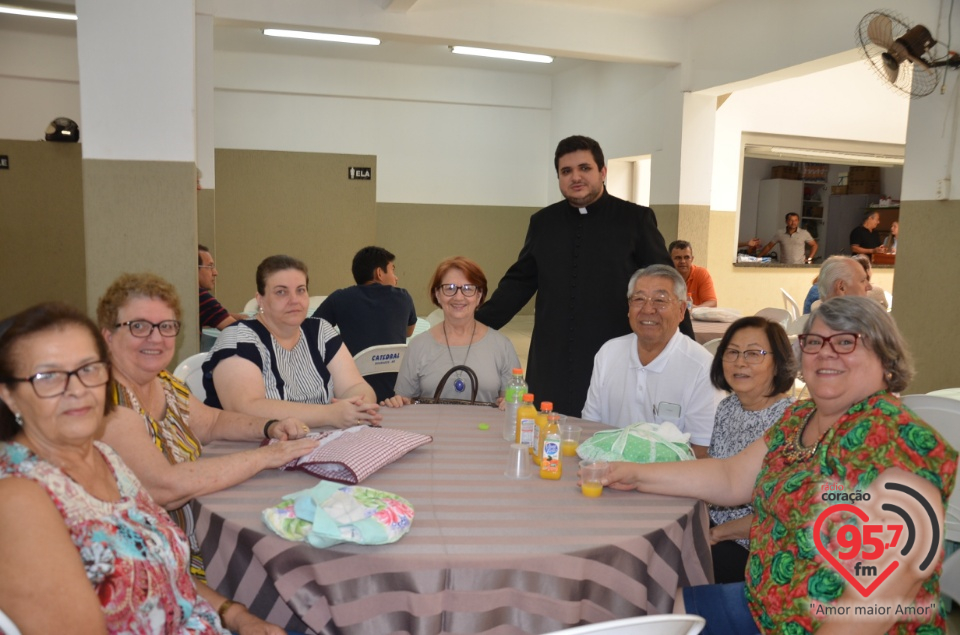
[
  {"x": 849, "y": 156},
  {"x": 33, "y": 13},
  {"x": 504, "y": 55},
  {"x": 325, "y": 37}
]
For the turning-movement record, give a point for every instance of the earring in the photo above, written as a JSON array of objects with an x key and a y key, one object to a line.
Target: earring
[
  {"x": 19, "y": 418},
  {"x": 259, "y": 309}
]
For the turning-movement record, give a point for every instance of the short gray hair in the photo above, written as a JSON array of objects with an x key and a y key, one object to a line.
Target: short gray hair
[
  {"x": 878, "y": 332},
  {"x": 660, "y": 271},
  {"x": 835, "y": 268}
]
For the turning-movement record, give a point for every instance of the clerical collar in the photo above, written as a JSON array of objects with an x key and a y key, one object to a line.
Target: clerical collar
[{"x": 583, "y": 210}]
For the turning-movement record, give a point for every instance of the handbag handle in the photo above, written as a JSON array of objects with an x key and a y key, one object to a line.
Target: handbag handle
[{"x": 473, "y": 381}]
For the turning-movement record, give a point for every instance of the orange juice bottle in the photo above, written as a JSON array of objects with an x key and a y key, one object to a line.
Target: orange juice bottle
[
  {"x": 546, "y": 407},
  {"x": 550, "y": 465},
  {"x": 526, "y": 420}
]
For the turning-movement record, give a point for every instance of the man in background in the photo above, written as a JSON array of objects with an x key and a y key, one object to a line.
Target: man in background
[
  {"x": 212, "y": 313},
  {"x": 372, "y": 313},
  {"x": 793, "y": 243},
  {"x": 863, "y": 238},
  {"x": 577, "y": 258},
  {"x": 699, "y": 283}
]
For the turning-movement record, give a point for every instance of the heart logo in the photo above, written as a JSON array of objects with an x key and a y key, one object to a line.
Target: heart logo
[{"x": 865, "y": 591}]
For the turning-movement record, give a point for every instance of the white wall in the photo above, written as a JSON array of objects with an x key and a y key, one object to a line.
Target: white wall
[
  {"x": 441, "y": 135},
  {"x": 630, "y": 110}
]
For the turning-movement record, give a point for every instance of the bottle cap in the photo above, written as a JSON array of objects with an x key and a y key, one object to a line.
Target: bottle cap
[
  {"x": 528, "y": 397},
  {"x": 546, "y": 405},
  {"x": 517, "y": 371}
]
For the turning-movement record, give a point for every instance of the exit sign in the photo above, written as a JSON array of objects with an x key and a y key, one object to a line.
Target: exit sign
[{"x": 362, "y": 174}]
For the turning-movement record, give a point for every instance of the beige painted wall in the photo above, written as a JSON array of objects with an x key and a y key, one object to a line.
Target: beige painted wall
[
  {"x": 295, "y": 203},
  {"x": 927, "y": 301},
  {"x": 41, "y": 225},
  {"x": 423, "y": 235},
  {"x": 141, "y": 216}
]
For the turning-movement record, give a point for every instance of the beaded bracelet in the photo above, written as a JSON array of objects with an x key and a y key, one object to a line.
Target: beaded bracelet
[{"x": 266, "y": 428}]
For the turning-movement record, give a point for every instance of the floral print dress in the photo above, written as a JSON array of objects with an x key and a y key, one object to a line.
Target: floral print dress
[
  {"x": 134, "y": 555},
  {"x": 785, "y": 572}
]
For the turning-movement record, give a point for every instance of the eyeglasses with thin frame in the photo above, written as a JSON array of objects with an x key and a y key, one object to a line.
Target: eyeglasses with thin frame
[
  {"x": 660, "y": 303},
  {"x": 53, "y": 383},
  {"x": 450, "y": 290},
  {"x": 752, "y": 356},
  {"x": 210, "y": 266},
  {"x": 143, "y": 328},
  {"x": 841, "y": 343}
]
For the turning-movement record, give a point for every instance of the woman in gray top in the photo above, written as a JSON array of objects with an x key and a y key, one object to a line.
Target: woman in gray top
[
  {"x": 755, "y": 363},
  {"x": 458, "y": 287}
]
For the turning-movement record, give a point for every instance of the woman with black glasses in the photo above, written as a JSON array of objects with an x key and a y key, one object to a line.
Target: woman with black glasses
[
  {"x": 754, "y": 362},
  {"x": 459, "y": 288},
  {"x": 160, "y": 428},
  {"x": 833, "y": 485}
]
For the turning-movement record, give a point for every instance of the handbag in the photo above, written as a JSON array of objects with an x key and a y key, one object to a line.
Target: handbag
[
  {"x": 352, "y": 454},
  {"x": 475, "y": 386}
]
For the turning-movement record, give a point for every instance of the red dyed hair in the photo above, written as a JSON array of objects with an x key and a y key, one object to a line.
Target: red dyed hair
[{"x": 471, "y": 271}]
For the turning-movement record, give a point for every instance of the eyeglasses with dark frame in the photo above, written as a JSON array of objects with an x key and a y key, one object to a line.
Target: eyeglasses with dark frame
[
  {"x": 143, "y": 328},
  {"x": 752, "y": 356},
  {"x": 450, "y": 290},
  {"x": 841, "y": 343},
  {"x": 660, "y": 303},
  {"x": 53, "y": 383}
]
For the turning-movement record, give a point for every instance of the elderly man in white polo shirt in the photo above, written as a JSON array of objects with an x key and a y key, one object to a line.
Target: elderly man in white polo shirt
[{"x": 656, "y": 373}]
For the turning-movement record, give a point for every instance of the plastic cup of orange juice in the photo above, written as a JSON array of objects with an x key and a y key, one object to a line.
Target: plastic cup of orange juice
[
  {"x": 590, "y": 474},
  {"x": 569, "y": 439}
]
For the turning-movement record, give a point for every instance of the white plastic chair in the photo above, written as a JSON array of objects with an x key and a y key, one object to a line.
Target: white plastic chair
[
  {"x": 250, "y": 308},
  {"x": 315, "y": 302},
  {"x": 7, "y": 626},
  {"x": 435, "y": 317},
  {"x": 796, "y": 326},
  {"x": 189, "y": 372},
  {"x": 421, "y": 326},
  {"x": 950, "y": 577},
  {"x": 943, "y": 415},
  {"x": 713, "y": 345},
  {"x": 385, "y": 358},
  {"x": 645, "y": 625},
  {"x": 790, "y": 304},
  {"x": 780, "y": 316}
]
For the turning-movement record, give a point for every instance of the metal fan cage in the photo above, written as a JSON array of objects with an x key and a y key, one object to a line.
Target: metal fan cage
[{"x": 910, "y": 78}]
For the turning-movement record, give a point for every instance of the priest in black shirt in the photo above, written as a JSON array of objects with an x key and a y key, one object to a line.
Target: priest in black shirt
[{"x": 577, "y": 257}]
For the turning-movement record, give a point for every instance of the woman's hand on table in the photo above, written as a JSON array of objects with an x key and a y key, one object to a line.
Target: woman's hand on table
[
  {"x": 621, "y": 475},
  {"x": 289, "y": 428},
  {"x": 278, "y": 454},
  {"x": 731, "y": 530},
  {"x": 396, "y": 402},
  {"x": 354, "y": 411},
  {"x": 501, "y": 403}
]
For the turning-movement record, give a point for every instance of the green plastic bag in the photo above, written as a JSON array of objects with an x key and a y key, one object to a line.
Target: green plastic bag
[{"x": 638, "y": 443}]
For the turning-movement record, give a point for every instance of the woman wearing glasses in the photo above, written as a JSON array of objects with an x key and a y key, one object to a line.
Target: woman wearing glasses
[
  {"x": 459, "y": 288},
  {"x": 283, "y": 364},
  {"x": 85, "y": 548},
  {"x": 852, "y": 443},
  {"x": 754, "y": 362},
  {"x": 160, "y": 428}
]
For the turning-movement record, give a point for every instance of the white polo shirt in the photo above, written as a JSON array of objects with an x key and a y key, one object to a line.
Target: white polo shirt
[{"x": 673, "y": 387}]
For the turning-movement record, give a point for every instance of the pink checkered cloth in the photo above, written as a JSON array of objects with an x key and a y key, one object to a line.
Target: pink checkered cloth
[{"x": 352, "y": 454}]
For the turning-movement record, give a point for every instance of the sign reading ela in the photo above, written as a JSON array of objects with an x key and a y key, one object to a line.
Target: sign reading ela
[{"x": 363, "y": 174}]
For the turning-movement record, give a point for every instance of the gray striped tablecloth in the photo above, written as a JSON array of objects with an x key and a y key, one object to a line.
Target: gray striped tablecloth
[{"x": 484, "y": 555}]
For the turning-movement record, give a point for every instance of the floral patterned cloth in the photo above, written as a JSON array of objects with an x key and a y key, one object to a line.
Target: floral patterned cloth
[
  {"x": 176, "y": 441},
  {"x": 785, "y": 572},
  {"x": 733, "y": 430},
  {"x": 135, "y": 556}
]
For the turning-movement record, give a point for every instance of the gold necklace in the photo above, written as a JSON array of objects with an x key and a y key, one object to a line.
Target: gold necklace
[{"x": 794, "y": 449}]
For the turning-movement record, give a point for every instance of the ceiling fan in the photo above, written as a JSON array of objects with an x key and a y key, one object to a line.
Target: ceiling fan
[{"x": 901, "y": 54}]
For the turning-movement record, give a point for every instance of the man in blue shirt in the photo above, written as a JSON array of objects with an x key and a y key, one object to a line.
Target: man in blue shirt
[{"x": 373, "y": 312}]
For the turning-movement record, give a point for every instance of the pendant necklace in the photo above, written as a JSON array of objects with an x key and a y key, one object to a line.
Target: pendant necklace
[
  {"x": 794, "y": 449},
  {"x": 458, "y": 385}
]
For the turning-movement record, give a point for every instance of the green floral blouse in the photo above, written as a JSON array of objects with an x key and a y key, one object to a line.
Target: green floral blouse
[{"x": 785, "y": 572}]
